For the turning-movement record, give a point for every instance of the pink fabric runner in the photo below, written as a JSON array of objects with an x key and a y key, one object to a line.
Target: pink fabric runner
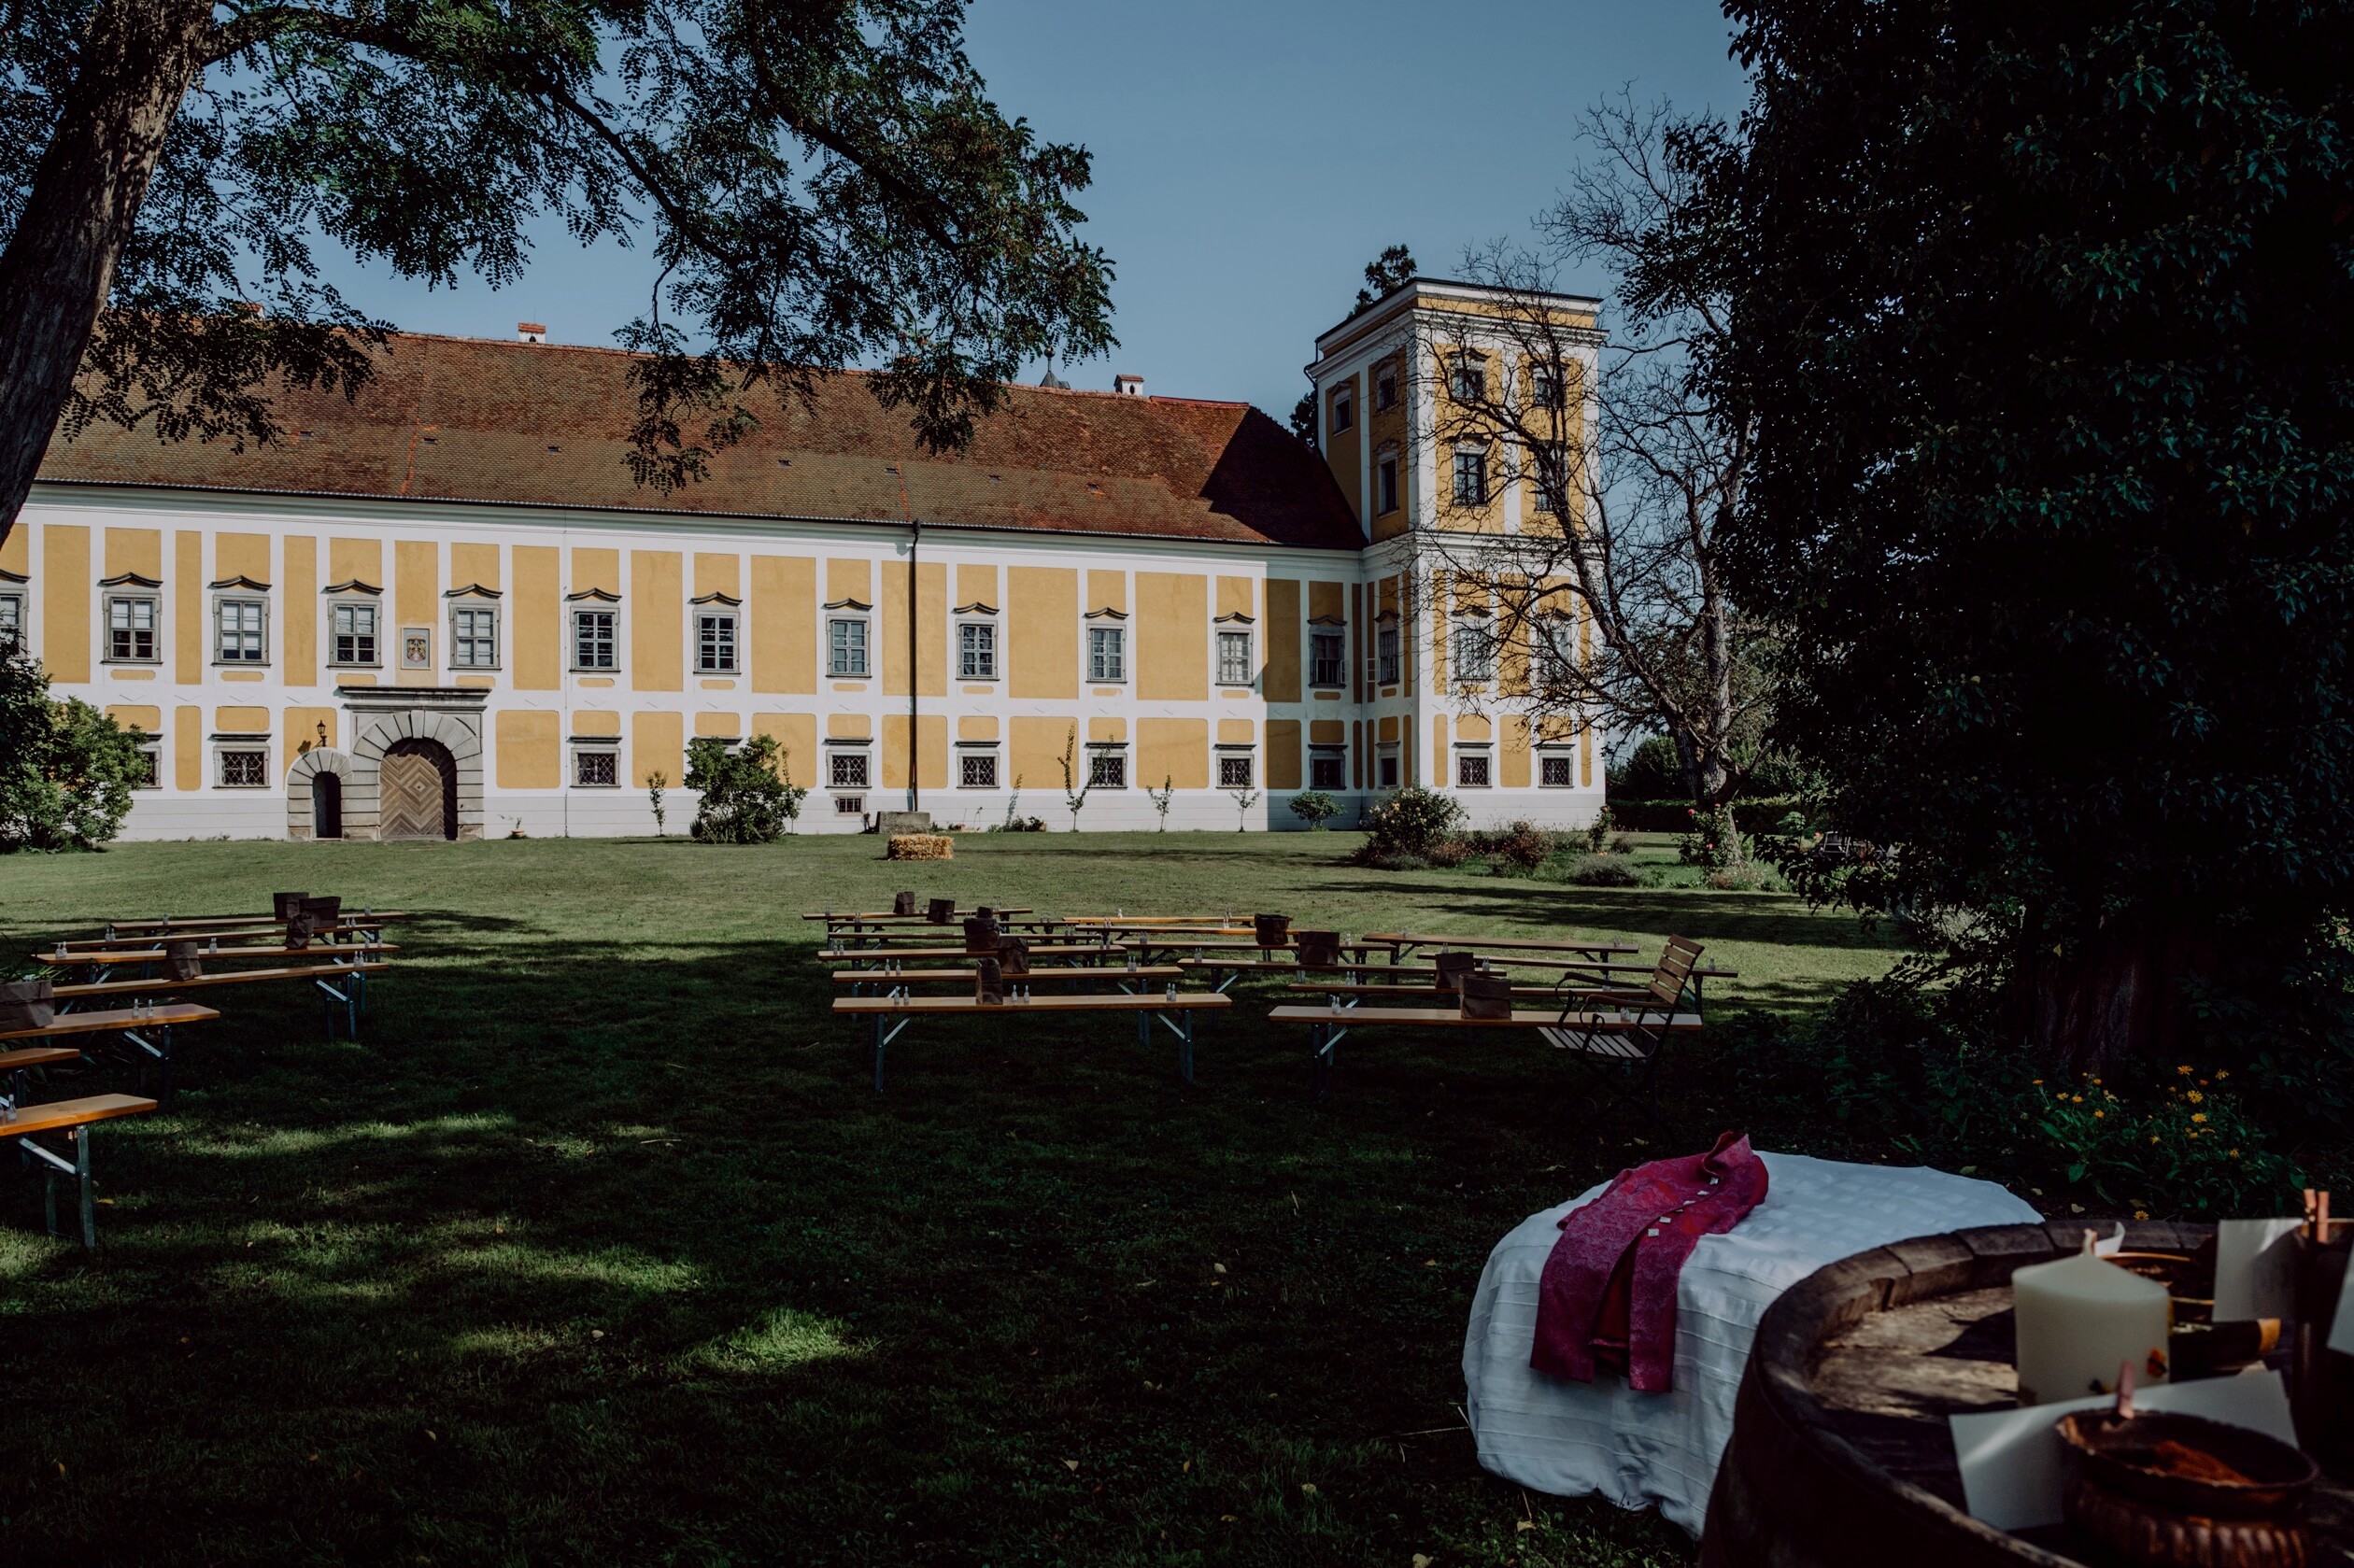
[{"x": 1608, "y": 1292}]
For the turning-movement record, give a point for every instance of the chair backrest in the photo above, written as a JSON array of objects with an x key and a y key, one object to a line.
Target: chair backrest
[{"x": 1677, "y": 960}]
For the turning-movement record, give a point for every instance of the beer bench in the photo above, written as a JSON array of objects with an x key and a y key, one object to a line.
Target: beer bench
[
  {"x": 149, "y": 1032},
  {"x": 202, "y": 925},
  {"x": 344, "y": 983},
  {"x": 873, "y": 955},
  {"x": 74, "y": 1118},
  {"x": 890, "y": 981},
  {"x": 346, "y": 929},
  {"x": 1402, "y": 945},
  {"x": 886, "y": 917},
  {"x": 102, "y": 959},
  {"x": 1146, "y": 1007},
  {"x": 1591, "y": 1033}
]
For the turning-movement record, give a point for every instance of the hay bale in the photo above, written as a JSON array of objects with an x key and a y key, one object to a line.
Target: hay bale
[{"x": 921, "y": 846}]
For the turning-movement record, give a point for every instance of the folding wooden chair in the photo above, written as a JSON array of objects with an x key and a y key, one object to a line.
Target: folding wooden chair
[{"x": 1624, "y": 1058}]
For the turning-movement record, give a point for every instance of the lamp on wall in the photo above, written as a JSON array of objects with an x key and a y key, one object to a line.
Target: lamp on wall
[{"x": 322, "y": 733}]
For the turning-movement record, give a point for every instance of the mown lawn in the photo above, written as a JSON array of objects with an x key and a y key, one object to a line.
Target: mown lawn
[{"x": 599, "y": 1247}]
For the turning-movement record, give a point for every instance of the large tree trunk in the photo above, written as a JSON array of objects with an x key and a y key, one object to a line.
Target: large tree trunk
[
  {"x": 2116, "y": 999},
  {"x": 137, "y": 60}
]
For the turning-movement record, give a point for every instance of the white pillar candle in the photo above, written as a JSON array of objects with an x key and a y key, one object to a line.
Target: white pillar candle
[{"x": 2077, "y": 1319}]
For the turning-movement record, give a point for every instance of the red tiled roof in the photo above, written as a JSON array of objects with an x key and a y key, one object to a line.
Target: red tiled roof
[{"x": 473, "y": 420}]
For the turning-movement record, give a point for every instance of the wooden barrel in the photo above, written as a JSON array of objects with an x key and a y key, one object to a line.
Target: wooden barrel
[{"x": 1840, "y": 1453}]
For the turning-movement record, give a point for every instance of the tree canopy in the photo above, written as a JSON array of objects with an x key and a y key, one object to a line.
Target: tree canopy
[
  {"x": 2043, "y": 314},
  {"x": 822, "y": 183}
]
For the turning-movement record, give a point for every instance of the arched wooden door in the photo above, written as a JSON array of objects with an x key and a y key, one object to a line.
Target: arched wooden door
[{"x": 418, "y": 791}]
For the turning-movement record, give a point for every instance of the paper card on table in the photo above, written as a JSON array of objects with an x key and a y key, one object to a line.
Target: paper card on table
[
  {"x": 2011, "y": 1459},
  {"x": 2255, "y": 1269},
  {"x": 2341, "y": 1331}
]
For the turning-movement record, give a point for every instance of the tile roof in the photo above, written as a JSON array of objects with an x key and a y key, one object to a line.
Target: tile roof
[{"x": 474, "y": 419}]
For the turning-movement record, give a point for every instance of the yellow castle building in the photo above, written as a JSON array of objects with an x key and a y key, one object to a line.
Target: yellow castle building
[{"x": 444, "y": 610}]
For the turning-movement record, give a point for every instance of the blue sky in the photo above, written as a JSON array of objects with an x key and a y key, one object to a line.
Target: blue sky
[{"x": 1251, "y": 156}]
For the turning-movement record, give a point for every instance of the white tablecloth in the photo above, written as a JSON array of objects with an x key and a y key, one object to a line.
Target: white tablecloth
[{"x": 1555, "y": 1435}]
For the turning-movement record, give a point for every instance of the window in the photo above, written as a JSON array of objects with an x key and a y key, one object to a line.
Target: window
[
  {"x": 1389, "y": 770},
  {"x": 1544, "y": 386},
  {"x": 1472, "y": 770},
  {"x": 1470, "y": 477},
  {"x": 1107, "y": 652},
  {"x": 1557, "y": 770},
  {"x": 353, "y": 628},
  {"x": 849, "y": 805},
  {"x": 846, "y": 647},
  {"x": 1385, "y": 485},
  {"x": 1234, "y": 659},
  {"x": 1234, "y": 769},
  {"x": 977, "y": 651},
  {"x": 131, "y": 630},
  {"x": 237, "y": 630},
  {"x": 1385, "y": 657},
  {"x": 1343, "y": 413},
  {"x": 595, "y": 643},
  {"x": 1386, "y": 392},
  {"x": 243, "y": 770},
  {"x": 1556, "y": 648},
  {"x": 11, "y": 622},
  {"x": 846, "y": 770},
  {"x": 1467, "y": 379},
  {"x": 1325, "y": 659},
  {"x": 1474, "y": 652},
  {"x": 1551, "y": 473},
  {"x": 1324, "y": 770},
  {"x": 715, "y": 645},
  {"x": 473, "y": 639},
  {"x": 977, "y": 769},
  {"x": 597, "y": 768},
  {"x": 1107, "y": 770},
  {"x": 151, "y": 774}
]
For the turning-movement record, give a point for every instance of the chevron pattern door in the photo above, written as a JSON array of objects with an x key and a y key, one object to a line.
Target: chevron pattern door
[{"x": 413, "y": 787}]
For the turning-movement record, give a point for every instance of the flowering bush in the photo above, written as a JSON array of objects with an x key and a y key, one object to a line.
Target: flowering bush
[
  {"x": 1412, "y": 821},
  {"x": 1714, "y": 841},
  {"x": 2187, "y": 1138}
]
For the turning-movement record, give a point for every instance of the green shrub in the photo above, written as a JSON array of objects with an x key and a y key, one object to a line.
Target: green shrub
[
  {"x": 1714, "y": 841},
  {"x": 1652, "y": 771},
  {"x": 1742, "y": 879},
  {"x": 1516, "y": 846},
  {"x": 66, "y": 769},
  {"x": 1412, "y": 821},
  {"x": 748, "y": 794},
  {"x": 1314, "y": 808},
  {"x": 1597, "y": 832},
  {"x": 1597, "y": 871}
]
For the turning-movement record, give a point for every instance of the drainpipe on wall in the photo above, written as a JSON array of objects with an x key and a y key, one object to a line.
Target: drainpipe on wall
[{"x": 914, "y": 537}]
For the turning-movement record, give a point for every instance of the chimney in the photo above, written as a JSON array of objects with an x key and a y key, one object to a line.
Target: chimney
[
  {"x": 530, "y": 332},
  {"x": 1128, "y": 386}
]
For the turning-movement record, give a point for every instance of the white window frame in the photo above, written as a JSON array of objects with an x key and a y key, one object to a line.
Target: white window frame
[
  {"x": 461, "y": 643},
  {"x": 1472, "y": 652},
  {"x": 1384, "y": 389},
  {"x": 1387, "y": 760},
  {"x": 608, "y": 751},
  {"x": 154, "y": 629},
  {"x": 1568, "y": 760},
  {"x": 224, "y": 751},
  {"x": 1102, "y": 754},
  {"x": 222, "y": 604},
  {"x": 1334, "y": 757},
  {"x": 151, "y": 753},
  {"x": 1545, "y": 383},
  {"x": 611, "y": 614},
  {"x": 11, "y": 622},
  {"x": 1471, "y": 462},
  {"x": 1343, "y": 411},
  {"x": 1558, "y": 451},
  {"x": 1553, "y": 643},
  {"x": 968, "y": 756},
  {"x": 1228, "y": 636},
  {"x": 1465, "y": 756},
  {"x": 986, "y": 632},
  {"x": 1243, "y": 757},
  {"x": 1118, "y": 635},
  {"x": 838, "y": 647},
  {"x": 1339, "y": 664},
  {"x": 336, "y": 609},
  {"x": 723, "y": 655},
  {"x": 1387, "y": 664},
  {"x": 1385, "y": 485},
  {"x": 837, "y": 756},
  {"x": 1467, "y": 378}
]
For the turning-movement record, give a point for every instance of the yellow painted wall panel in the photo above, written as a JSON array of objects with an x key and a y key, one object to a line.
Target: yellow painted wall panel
[
  {"x": 241, "y": 721},
  {"x": 16, "y": 552},
  {"x": 1328, "y": 732},
  {"x": 850, "y": 579},
  {"x": 1283, "y": 754},
  {"x": 797, "y": 739},
  {"x": 188, "y": 608},
  {"x": 1474, "y": 727},
  {"x": 1357, "y": 754},
  {"x": 589, "y": 721},
  {"x": 1175, "y": 749},
  {"x": 147, "y": 720},
  {"x": 351, "y": 560},
  {"x": 1043, "y": 614},
  {"x": 1107, "y": 590},
  {"x": 242, "y": 554},
  {"x": 300, "y": 726},
  {"x": 298, "y": 612},
  {"x": 1035, "y": 762},
  {"x": 67, "y": 589},
  {"x": 1106, "y": 730},
  {"x": 932, "y": 629},
  {"x": 1439, "y": 751},
  {"x": 416, "y": 595},
  {"x": 849, "y": 727},
  {"x": 1340, "y": 446},
  {"x": 978, "y": 584},
  {"x": 717, "y": 574},
  {"x": 1515, "y": 774},
  {"x": 725, "y": 726},
  {"x": 530, "y": 753},
  {"x": 1172, "y": 636},
  {"x": 1234, "y": 732},
  {"x": 188, "y": 748},
  {"x": 977, "y": 727},
  {"x": 1325, "y": 601},
  {"x": 784, "y": 602},
  {"x": 1238, "y": 596},
  {"x": 658, "y": 743},
  {"x": 1389, "y": 728},
  {"x": 658, "y": 626},
  {"x": 599, "y": 568},
  {"x": 474, "y": 565},
  {"x": 535, "y": 631},
  {"x": 932, "y": 751},
  {"x": 140, "y": 550},
  {"x": 1281, "y": 681},
  {"x": 1356, "y": 642}
]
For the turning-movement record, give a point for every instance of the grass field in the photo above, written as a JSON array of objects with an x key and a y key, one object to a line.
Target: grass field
[{"x": 599, "y": 1247}]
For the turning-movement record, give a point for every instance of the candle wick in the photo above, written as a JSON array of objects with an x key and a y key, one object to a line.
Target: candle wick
[{"x": 2091, "y": 1239}]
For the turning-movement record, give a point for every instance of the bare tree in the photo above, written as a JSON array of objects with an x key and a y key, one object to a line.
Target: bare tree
[{"x": 1607, "y": 602}]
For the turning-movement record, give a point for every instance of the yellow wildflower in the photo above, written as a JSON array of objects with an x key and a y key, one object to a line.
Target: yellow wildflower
[
  {"x": 2098, "y": 1114},
  {"x": 2141, "y": 1213},
  {"x": 2198, "y": 1116},
  {"x": 2078, "y": 1099},
  {"x": 2184, "y": 1071},
  {"x": 2231, "y": 1153},
  {"x": 2195, "y": 1096},
  {"x": 2220, "y": 1075}
]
